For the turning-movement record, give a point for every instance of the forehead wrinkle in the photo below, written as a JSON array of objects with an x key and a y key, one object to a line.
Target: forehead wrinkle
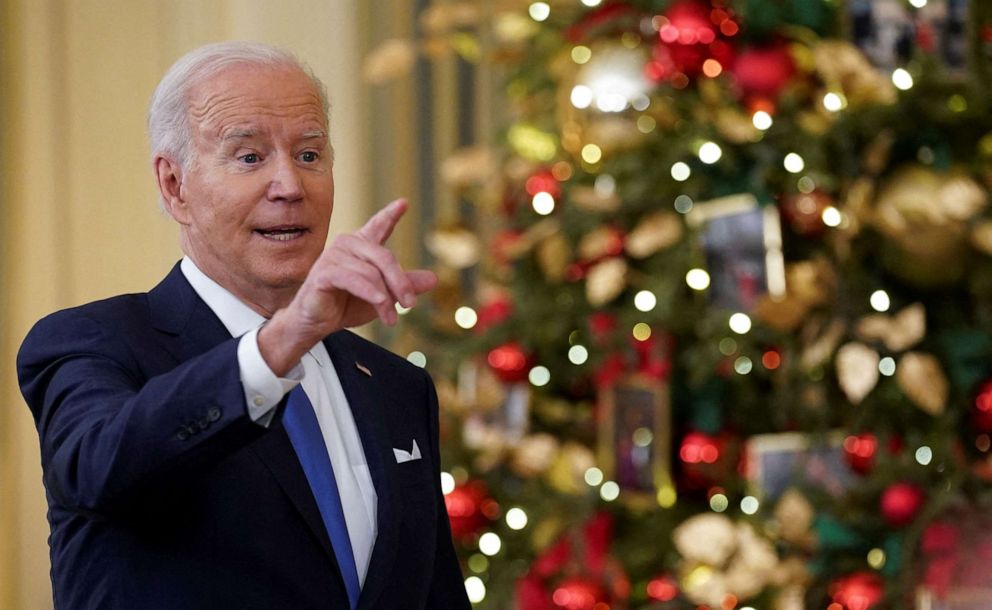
[{"x": 220, "y": 108}]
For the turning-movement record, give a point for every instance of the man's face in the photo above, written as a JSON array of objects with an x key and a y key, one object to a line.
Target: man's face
[{"x": 259, "y": 191}]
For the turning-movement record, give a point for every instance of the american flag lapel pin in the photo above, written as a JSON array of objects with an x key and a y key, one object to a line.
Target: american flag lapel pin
[{"x": 361, "y": 367}]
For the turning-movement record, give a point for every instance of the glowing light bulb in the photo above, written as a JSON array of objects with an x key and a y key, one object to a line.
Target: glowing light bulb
[
  {"x": 447, "y": 483},
  {"x": 578, "y": 354},
  {"x": 581, "y": 54},
  {"x": 466, "y": 317},
  {"x": 539, "y": 11},
  {"x": 516, "y": 518},
  {"x": 581, "y": 96},
  {"x": 593, "y": 476},
  {"x": 645, "y": 301},
  {"x": 832, "y": 217},
  {"x": 794, "y": 163},
  {"x": 543, "y": 203},
  {"x": 762, "y": 120},
  {"x": 591, "y": 153},
  {"x": 902, "y": 79},
  {"x": 740, "y": 323},
  {"x": 539, "y": 376},
  {"x": 475, "y": 588},
  {"x": 697, "y": 279},
  {"x": 880, "y": 301},
  {"x": 490, "y": 544},
  {"x": 834, "y": 102},
  {"x": 710, "y": 153}
]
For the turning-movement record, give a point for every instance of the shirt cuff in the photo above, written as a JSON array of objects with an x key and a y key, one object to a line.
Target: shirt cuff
[{"x": 263, "y": 389}]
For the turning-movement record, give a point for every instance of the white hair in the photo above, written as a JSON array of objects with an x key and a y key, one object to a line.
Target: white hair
[{"x": 169, "y": 129}]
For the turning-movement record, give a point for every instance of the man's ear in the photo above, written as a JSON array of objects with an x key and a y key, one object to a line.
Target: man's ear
[{"x": 169, "y": 176}]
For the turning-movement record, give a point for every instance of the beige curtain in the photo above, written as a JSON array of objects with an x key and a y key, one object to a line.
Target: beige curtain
[{"x": 77, "y": 204}]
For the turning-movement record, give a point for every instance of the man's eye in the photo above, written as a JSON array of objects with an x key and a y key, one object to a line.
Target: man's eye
[
  {"x": 250, "y": 158},
  {"x": 308, "y": 156}
]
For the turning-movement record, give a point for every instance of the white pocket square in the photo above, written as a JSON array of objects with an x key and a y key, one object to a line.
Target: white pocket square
[{"x": 407, "y": 456}]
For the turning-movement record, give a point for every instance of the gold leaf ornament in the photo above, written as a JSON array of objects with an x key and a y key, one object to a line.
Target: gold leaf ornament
[
  {"x": 594, "y": 200},
  {"x": 454, "y": 246},
  {"x": 794, "y": 515},
  {"x": 469, "y": 167},
  {"x": 706, "y": 538},
  {"x": 655, "y": 232},
  {"x": 924, "y": 215},
  {"x": 923, "y": 381},
  {"x": 553, "y": 255},
  {"x": 605, "y": 281},
  {"x": 389, "y": 61},
  {"x": 857, "y": 371},
  {"x": 898, "y": 332},
  {"x": 597, "y": 243},
  {"x": 534, "y": 454}
]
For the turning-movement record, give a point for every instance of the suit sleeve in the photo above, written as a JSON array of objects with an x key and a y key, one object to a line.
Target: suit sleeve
[
  {"x": 107, "y": 434},
  {"x": 447, "y": 587}
]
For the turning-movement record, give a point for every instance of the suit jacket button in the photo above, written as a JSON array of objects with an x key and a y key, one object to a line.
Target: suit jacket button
[
  {"x": 183, "y": 434},
  {"x": 213, "y": 414}
]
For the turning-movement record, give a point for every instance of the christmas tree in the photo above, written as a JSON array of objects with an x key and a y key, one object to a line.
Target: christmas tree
[{"x": 719, "y": 334}]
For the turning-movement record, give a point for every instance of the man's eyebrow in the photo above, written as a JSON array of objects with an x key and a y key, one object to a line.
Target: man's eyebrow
[
  {"x": 316, "y": 133},
  {"x": 238, "y": 134}
]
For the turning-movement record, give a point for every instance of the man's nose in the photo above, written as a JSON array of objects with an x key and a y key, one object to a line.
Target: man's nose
[{"x": 286, "y": 183}]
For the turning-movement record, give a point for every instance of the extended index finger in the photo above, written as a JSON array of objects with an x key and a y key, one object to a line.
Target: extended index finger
[{"x": 381, "y": 225}]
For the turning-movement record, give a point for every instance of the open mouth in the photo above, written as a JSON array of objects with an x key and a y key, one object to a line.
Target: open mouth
[{"x": 282, "y": 233}]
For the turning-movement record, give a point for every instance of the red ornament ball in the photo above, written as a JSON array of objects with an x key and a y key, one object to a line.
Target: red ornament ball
[
  {"x": 763, "y": 71},
  {"x": 857, "y": 591},
  {"x": 662, "y": 588},
  {"x": 687, "y": 22},
  {"x": 506, "y": 246},
  {"x": 803, "y": 212},
  {"x": 859, "y": 452},
  {"x": 689, "y": 34},
  {"x": 509, "y": 362},
  {"x": 543, "y": 182},
  {"x": 981, "y": 415},
  {"x": 579, "y": 594},
  {"x": 699, "y": 448},
  {"x": 467, "y": 507},
  {"x": 493, "y": 313},
  {"x": 901, "y": 502}
]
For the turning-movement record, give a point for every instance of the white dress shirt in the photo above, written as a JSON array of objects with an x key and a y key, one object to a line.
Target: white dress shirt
[{"x": 263, "y": 391}]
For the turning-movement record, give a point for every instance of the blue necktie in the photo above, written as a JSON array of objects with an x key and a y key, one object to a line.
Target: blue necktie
[{"x": 304, "y": 433}]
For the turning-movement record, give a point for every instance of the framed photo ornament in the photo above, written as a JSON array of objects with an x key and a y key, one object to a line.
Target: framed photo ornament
[
  {"x": 500, "y": 411},
  {"x": 891, "y": 32},
  {"x": 954, "y": 555},
  {"x": 742, "y": 244},
  {"x": 776, "y": 462},
  {"x": 635, "y": 438}
]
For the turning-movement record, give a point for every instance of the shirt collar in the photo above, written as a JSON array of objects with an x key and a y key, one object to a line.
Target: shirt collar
[{"x": 236, "y": 316}]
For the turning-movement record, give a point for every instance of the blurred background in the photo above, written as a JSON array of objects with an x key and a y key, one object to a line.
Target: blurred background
[{"x": 713, "y": 330}]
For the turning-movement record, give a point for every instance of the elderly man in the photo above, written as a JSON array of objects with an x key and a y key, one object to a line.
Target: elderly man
[{"x": 220, "y": 442}]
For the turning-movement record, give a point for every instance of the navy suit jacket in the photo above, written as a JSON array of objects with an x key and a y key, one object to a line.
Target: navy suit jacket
[{"x": 163, "y": 493}]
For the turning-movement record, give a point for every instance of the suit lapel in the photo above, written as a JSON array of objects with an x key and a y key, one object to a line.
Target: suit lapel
[
  {"x": 192, "y": 328},
  {"x": 361, "y": 390}
]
